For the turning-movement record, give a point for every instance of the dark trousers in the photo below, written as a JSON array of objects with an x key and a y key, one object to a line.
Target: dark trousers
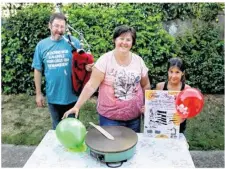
[
  {"x": 183, "y": 126},
  {"x": 57, "y": 111}
]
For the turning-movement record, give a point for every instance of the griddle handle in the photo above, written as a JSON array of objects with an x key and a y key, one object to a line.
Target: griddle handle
[{"x": 121, "y": 162}]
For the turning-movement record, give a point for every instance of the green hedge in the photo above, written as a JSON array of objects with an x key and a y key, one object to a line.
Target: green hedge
[
  {"x": 200, "y": 48},
  {"x": 202, "y": 51},
  {"x": 20, "y": 35}
]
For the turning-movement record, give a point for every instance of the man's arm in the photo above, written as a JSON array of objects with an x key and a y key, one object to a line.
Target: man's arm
[{"x": 37, "y": 81}]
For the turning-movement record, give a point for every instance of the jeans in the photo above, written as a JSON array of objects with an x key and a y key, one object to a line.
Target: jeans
[
  {"x": 57, "y": 111},
  {"x": 132, "y": 124}
]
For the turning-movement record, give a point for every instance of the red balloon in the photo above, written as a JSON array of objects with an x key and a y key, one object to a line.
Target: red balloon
[{"x": 189, "y": 103}]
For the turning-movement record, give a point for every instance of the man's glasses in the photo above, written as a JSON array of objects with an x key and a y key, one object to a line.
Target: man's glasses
[{"x": 58, "y": 26}]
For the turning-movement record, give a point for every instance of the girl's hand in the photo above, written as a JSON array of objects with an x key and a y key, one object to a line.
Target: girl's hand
[{"x": 182, "y": 120}]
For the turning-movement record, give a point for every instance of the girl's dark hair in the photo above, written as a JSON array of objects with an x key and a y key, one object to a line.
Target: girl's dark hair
[
  {"x": 124, "y": 29},
  {"x": 57, "y": 16},
  {"x": 177, "y": 62}
]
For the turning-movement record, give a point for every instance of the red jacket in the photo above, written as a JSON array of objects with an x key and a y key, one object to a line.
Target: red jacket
[{"x": 80, "y": 75}]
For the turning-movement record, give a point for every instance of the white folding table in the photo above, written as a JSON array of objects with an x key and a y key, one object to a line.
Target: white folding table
[{"x": 150, "y": 152}]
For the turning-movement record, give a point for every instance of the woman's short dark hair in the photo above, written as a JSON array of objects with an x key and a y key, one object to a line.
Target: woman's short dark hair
[
  {"x": 124, "y": 29},
  {"x": 57, "y": 16},
  {"x": 177, "y": 62}
]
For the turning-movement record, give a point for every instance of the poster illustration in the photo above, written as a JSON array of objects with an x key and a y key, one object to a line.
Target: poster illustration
[{"x": 161, "y": 119}]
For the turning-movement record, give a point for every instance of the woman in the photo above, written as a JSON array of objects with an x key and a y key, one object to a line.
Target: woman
[
  {"x": 122, "y": 78},
  {"x": 175, "y": 82}
]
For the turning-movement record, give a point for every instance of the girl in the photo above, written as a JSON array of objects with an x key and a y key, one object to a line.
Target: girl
[{"x": 175, "y": 82}]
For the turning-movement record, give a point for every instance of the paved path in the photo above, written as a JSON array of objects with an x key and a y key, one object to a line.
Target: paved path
[{"x": 17, "y": 156}]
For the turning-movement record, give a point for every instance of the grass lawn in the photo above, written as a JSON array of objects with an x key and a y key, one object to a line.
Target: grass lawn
[{"x": 25, "y": 124}]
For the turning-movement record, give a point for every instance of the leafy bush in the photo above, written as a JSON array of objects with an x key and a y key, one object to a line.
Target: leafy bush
[
  {"x": 202, "y": 51},
  {"x": 20, "y": 34},
  {"x": 201, "y": 47},
  {"x": 154, "y": 44}
]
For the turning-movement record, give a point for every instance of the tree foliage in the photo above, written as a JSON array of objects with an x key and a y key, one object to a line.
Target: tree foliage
[{"x": 200, "y": 46}]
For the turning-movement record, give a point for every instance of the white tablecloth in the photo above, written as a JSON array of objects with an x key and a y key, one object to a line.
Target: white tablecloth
[{"x": 150, "y": 152}]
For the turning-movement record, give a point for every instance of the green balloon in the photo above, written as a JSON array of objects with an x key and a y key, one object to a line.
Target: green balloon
[{"x": 71, "y": 133}]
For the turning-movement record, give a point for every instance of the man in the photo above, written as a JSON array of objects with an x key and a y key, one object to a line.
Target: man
[{"x": 53, "y": 54}]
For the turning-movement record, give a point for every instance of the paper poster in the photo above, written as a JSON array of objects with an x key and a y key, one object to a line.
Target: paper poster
[{"x": 161, "y": 119}]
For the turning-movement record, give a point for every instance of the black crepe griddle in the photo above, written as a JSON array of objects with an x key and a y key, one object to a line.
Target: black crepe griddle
[
  {"x": 109, "y": 151},
  {"x": 124, "y": 139}
]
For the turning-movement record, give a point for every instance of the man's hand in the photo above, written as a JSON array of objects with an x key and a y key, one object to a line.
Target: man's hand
[
  {"x": 40, "y": 100},
  {"x": 88, "y": 67},
  {"x": 71, "y": 111}
]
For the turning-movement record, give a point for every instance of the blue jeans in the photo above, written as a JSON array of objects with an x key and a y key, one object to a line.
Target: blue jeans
[
  {"x": 57, "y": 111},
  {"x": 132, "y": 124}
]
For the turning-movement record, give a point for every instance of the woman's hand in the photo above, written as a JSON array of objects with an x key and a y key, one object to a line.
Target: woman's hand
[
  {"x": 71, "y": 111},
  {"x": 142, "y": 110}
]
